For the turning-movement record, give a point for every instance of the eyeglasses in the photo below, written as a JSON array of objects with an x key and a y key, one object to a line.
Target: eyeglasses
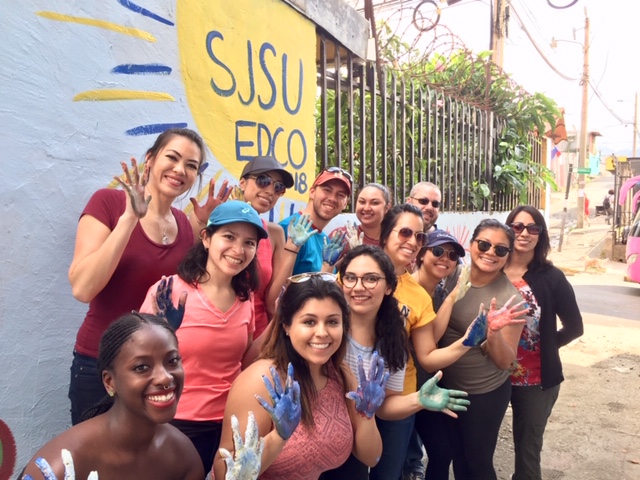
[
  {"x": 405, "y": 232},
  {"x": 340, "y": 171},
  {"x": 500, "y": 250},
  {"x": 368, "y": 281},
  {"x": 532, "y": 228},
  {"x": 452, "y": 254},
  {"x": 303, "y": 277},
  {"x": 263, "y": 181},
  {"x": 425, "y": 201}
]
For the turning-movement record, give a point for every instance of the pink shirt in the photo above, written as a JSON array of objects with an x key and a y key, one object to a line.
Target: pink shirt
[
  {"x": 212, "y": 344},
  {"x": 264, "y": 254}
]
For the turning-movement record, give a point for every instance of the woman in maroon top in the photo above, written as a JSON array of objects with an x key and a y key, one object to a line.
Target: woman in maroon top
[{"x": 126, "y": 241}]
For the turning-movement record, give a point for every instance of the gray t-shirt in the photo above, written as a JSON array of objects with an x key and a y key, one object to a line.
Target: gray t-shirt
[{"x": 474, "y": 372}]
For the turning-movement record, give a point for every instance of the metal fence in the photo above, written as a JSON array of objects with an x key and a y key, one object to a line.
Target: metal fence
[{"x": 383, "y": 129}]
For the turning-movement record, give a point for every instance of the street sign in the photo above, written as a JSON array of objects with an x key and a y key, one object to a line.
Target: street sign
[{"x": 585, "y": 171}]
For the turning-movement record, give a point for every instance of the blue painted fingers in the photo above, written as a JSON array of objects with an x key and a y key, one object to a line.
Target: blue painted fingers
[
  {"x": 300, "y": 229},
  {"x": 437, "y": 399},
  {"x": 166, "y": 308},
  {"x": 285, "y": 411},
  {"x": 371, "y": 392}
]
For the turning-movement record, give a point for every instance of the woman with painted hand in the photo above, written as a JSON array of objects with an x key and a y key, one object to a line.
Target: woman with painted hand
[
  {"x": 128, "y": 435},
  {"x": 309, "y": 332},
  {"x": 537, "y": 372},
  {"x": 482, "y": 370},
  {"x": 126, "y": 240},
  {"x": 219, "y": 274},
  {"x": 369, "y": 282}
]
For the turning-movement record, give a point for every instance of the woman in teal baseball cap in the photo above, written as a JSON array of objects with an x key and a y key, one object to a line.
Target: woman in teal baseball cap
[{"x": 214, "y": 287}]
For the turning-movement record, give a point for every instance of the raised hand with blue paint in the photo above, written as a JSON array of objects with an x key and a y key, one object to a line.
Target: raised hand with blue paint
[
  {"x": 333, "y": 248},
  {"x": 69, "y": 469},
  {"x": 164, "y": 303},
  {"x": 285, "y": 411},
  {"x": 371, "y": 391},
  {"x": 477, "y": 331},
  {"x": 247, "y": 458},
  {"x": 300, "y": 230},
  {"x": 437, "y": 399}
]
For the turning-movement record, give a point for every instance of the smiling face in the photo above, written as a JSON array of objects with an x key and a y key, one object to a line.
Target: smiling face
[
  {"x": 429, "y": 212},
  {"x": 488, "y": 262},
  {"x": 438, "y": 267},
  {"x": 261, "y": 198},
  {"x": 401, "y": 250},
  {"x": 147, "y": 376},
  {"x": 174, "y": 169},
  {"x": 525, "y": 242},
  {"x": 328, "y": 199},
  {"x": 362, "y": 300},
  {"x": 316, "y": 331},
  {"x": 371, "y": 207},
  {"x": 231, "y": 248}
]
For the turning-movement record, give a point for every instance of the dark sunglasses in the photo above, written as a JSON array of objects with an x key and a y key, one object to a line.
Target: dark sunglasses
[
  {"x": 340, "y": 171},
  {"x": 500, "y": 250},
  {"x": 439, "y": 251},
  {"x": 405, "y": 232},
  {"x": 425, "y": 201},
  {"x": 263, "y": 181},
  {"x": 532, "y": 228}
]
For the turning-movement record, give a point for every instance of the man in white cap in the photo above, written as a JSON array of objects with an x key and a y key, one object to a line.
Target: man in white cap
[{"x": 328, "y": 196}]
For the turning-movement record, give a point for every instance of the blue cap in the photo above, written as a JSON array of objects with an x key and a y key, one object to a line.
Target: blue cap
[
  {"x": 440, "y": 237},
  {"x": 234, "y": 211}
]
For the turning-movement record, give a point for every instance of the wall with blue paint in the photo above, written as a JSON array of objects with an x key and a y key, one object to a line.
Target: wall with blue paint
[{"x": 85, "y": 85}]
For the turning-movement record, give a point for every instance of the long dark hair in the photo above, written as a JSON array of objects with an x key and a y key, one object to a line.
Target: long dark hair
[
  {"x": 391, "y": 219},
  {"x": 543, "y": 247},
  {"x": 278, "y": 347},
  {"x": 391, "y": 336},
  {"x": 111, "y": 343},
  {"x": 492, "y": 223},
  {"x": 193, "y": 268}
]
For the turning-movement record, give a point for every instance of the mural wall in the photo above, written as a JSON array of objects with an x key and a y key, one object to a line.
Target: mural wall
[{"x": 87, "y": 84}]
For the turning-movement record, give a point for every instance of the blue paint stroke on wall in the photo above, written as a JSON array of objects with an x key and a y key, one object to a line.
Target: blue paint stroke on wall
[
  {"x": 142, "y": 69},
  {"x": 153, "y": 128},
  {"x": 143, "y": 11}
]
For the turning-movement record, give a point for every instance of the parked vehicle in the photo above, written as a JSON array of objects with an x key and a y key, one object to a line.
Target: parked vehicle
[{"x": 633, "y": 237}]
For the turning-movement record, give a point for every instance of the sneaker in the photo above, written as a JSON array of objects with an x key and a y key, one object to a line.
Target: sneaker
[{"x": 413, "y": 476}]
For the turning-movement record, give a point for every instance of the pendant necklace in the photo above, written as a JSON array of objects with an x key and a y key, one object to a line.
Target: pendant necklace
[{"x": 165, "y": 239}]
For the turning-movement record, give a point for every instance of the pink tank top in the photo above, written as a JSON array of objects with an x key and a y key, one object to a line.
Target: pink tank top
[
  {"x": 265, "y": 272},
  {"x": 325, "y": 446}
]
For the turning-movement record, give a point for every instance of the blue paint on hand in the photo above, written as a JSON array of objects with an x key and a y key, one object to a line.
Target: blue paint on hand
[
  {"x": 477, "y": 331},
  {"x": 371, "y": 392}
]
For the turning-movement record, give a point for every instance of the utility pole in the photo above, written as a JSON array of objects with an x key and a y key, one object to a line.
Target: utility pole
[
  {"x": 582, "y": 160},
  {"x": 498, "y": 32}
]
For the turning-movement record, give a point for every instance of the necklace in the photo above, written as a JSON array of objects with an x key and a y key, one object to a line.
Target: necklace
[{"x": 165, "y": 238}]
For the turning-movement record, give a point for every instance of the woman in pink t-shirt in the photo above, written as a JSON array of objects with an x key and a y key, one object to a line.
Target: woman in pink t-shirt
[{"x": 216, "y": 279}]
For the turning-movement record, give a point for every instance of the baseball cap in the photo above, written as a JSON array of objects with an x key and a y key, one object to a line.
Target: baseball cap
[
  {"x": 440, "y": 237},
  {"x": 261, "y": 164},
  {"x": 234, "y": 211},
  {"x": 334, "y": 173}
]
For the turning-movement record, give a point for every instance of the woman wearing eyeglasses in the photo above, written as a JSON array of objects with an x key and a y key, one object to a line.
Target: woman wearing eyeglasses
[
  {"x": 309, "y": 331},
  {"x": 537, "y": 372},
  {"x": 219, "y": 274},
  {"x": 482, "y": 371},
  {"x": 263, "y": 182},
  {"x": 369, "y": 282}
]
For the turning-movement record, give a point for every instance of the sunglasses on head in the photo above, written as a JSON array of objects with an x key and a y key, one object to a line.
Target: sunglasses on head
[
  {"x": 407, "y": 233},
  {"x": 439, "y": 251},
  {"x": 303, "y": 277},
  {"x": 264, "y": 180},
  {"x": 500, "y": 250},
  {"x": 425, "y": 201},
  {"x": 340, "y": 171},
  {"x": 532, "y": 228}
]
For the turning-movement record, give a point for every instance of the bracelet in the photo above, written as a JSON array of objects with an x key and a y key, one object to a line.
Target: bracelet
[{"x": 289, "y": 250}]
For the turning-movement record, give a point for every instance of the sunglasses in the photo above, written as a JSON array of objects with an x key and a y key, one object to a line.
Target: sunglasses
[
  {"x": 452, "y": 254},
  {"x": 532, "y": 228},
  {"x": 303, "y": 277},
  {"x": 425, "y": 201},
  {"x": 340, "y": 171},
  {"x": 407, "y": 233},
  {"x": 263, "y": 181},
  {"x": 500, "y": 250},
  {"x": 369, "y": 280}
]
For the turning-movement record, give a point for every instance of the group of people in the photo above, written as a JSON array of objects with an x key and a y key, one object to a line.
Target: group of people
[{"x": 193, "y": 324}]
